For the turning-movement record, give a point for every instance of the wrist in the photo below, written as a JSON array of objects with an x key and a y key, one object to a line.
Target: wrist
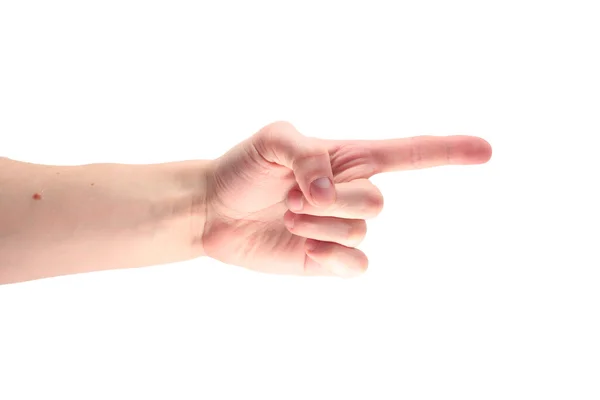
[{"x": 189, "y": 204}]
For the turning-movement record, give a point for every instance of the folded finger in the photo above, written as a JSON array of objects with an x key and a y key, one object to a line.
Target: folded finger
[
  {"x": 348, "y": 232},
  {"x": 358, "y": 199},
  {"x": 325, "y": 258}
]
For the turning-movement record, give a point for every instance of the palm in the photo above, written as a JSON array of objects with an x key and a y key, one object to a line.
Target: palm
[{"x": 247, "y": 203}]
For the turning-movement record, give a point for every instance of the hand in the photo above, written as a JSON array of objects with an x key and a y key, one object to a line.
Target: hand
[{"x": 281, "y": 202}]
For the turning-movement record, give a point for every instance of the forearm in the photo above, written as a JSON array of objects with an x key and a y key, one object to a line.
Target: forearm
[{"x": 57, "y": 220}]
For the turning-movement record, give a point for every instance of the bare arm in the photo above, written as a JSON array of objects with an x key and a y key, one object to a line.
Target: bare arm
[
  {"x": 278, "y": 202},
  {"x": 57, "y": 220}
]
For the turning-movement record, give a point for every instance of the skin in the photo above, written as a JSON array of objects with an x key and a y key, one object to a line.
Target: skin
[{"x": 254, "y": 206}]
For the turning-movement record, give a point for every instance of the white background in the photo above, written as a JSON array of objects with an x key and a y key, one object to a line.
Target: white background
[{"x": 483, "y": 281}]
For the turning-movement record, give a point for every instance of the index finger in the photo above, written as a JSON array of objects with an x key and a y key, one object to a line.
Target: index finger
[{"x": 425, "y": 152}]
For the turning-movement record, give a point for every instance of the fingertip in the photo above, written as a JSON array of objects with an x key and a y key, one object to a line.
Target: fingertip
[
  {"x": 289, "y": 219},
  {"x": 469, "y": 150},
  {"x": 483, "y": 151},
  {"x": 311, "y": 245},
  {"x": 295, "y": 200},
  {"x": 488, "y": 151},
  {"x": 480, "y": 151}
]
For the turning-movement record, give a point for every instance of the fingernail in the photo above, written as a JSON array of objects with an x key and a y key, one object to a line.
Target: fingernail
[
  {"x": 295, "y": 201},
  {"x": 322, "y": 191},
  {"x": 311, "y": 244}
]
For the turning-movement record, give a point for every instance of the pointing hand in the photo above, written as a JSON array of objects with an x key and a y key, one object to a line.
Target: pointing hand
[{"x": 284, "y": 203}]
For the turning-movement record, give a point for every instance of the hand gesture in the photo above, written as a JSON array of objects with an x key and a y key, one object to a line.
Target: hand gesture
[{"x": 281, "y": 202}]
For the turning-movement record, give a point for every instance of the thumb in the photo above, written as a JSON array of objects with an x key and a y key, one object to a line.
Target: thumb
[{"x": 282, "y": 144}]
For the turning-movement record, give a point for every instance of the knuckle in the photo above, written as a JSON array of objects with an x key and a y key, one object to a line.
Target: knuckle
[
  {"x": 265, "y": 135},
  {"x": 274, "y": 131},
  {"x": 355, "y": 161},
  {"x": 279, "y": 127}
]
